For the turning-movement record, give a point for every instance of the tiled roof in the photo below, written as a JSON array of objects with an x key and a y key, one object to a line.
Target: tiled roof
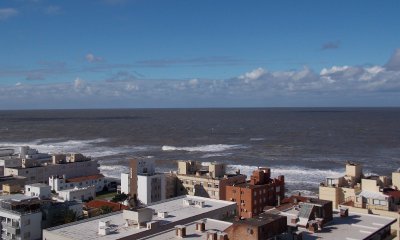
[
  {"x": 81, "y": 179},
  {"x": 100, "y": 203}
]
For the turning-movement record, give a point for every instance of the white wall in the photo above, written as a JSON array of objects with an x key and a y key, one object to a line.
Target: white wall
[
  {"x": 125, "y": 183},
  {"x": 77, "y": 194},
  {"x": 43, "y": 192},
  {"x": 146, "y": 188}
]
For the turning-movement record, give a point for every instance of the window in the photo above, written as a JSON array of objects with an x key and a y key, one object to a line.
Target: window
[{"x": 379, "y": 202}]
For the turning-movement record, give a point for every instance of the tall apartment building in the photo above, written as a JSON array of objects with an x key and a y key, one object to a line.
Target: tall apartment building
[
  {"x": 38, "y": 170},
  {"x": 143, "y": 181},
  {"x": 378, "y": 195},
  {"x": 251, "y": 197},
  {"x": 205, "y": 181},
  {"x": 21, "y": 217}
]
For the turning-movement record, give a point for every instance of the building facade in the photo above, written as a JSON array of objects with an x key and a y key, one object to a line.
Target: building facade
[
  {"x": 72, "y": 165},
  {"x": 205, "y": 181},
  {"x": 21, "y": 217},
  {"x": 261, "y": 191},
  {"x": 58, "y": 183}
]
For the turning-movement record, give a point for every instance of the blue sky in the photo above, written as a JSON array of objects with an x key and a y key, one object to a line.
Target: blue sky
[{"x": 145, "y": 53}]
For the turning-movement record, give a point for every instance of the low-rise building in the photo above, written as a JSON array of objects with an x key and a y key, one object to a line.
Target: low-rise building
[
  {"x": 264, "y": 226},
  {"x": 339, "y": 188},
  {"x": 58, "y": 183},
  {"x": 376, "y": 195},
  {"x": 82, "y": 194},
  {"x": 205, "y": 181},
  {"x": 39, "y": 190},
  {"x": 144, "y": 222},
  {"x": 39, "y": 170},
  {"x": 12, "y": 180},
  {"x": 21, "y": 217},
  {"x": 251, "y": 197}
]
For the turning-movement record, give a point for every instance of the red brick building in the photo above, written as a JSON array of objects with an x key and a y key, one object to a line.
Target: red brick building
[
  {"x": 251, "y": 197},
  {"x": 265, "y": 226}
]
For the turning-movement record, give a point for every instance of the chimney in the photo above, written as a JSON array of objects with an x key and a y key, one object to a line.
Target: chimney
[
  {"x": 200, "y": 226},
  {"x": 211, "y": 235},
  {"x": 222, "y": 236},
  {"x": 180, "y": 231},
  {"x": 344, "y": 212}
]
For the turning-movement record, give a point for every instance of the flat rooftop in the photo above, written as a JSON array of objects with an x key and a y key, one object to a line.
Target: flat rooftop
[
  {"x": 88, "y": 229},
  {"x": 191, "y": 233},
  {"x": 261, "y": 220},
  {"x": 356, "y": 226}
]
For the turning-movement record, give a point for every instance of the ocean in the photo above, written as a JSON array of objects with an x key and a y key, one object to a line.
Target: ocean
[{"x": 304, "y": 144}]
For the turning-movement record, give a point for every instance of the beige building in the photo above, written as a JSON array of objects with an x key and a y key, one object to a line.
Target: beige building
[
  {"x": 339, "y": 188},
  {"x": 205, "y": 181},
  {"x": 378, "y": 195}
]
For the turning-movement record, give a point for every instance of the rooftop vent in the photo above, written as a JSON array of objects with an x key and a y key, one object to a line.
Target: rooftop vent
[
  {"x": 222, "y": 236},
  {"x": 104, "y": 228},
  {"x": 187, "y": 202},
  {"x": 344, "y": 212},
  {"x": 199, "y": 204},
  {"x": 211, "y": 235},
  {"x": 200, "y": 226},
  {"x": 153, "y": 225},
  {"x": 162, "y": 214},
  {"x": 180, "y": 231}
]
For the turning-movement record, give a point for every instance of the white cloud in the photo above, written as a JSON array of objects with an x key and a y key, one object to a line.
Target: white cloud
[
  {"x": 252, "y": 75},
  {"x": 371, "y": 83},
  {"x": 6, "y": 13},
  {"x": 78, "y": 83},
  {"x": 90, "y": 57}
]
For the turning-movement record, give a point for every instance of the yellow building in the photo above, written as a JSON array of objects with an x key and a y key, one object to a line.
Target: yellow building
[{"x": 376, "y": 195}]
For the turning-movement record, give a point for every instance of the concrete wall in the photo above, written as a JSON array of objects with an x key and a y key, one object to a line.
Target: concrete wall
[
  {"x": 396, "y": 180},
  {"x": 77, "y": 194},
  {"x": 370, "y": 185},
  {"x": 43, "y": 192}
]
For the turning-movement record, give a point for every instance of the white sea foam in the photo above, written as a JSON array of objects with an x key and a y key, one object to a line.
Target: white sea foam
[
  {"x": 204, "y": 148},
  {"x": 294, "y": 175},
  {"x": 113, "y": 171},
  {"x": 209, "y": 155},
  {"x": 86, "y": 147},
  {"x": 257, "y": 139}
]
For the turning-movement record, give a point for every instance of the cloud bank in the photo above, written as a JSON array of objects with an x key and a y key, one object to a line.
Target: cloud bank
[{"x": 331, "y": 86}]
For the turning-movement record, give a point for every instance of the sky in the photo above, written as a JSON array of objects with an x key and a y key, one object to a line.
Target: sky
[{"x": 190, "y": 53}]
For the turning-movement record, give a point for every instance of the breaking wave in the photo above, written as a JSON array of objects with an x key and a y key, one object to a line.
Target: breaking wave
[
  {"x": 205, "y": 148},
  {"x": 86, "y": 147}
]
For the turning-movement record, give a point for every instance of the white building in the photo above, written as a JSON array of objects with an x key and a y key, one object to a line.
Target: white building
[
  {"x": 58, "y": 183},
  {"x": 21, "y": 217},
  {"x": 144, "y": 222},
  {"x": 72, "y": 165},
  {"x": 151, "y": 186},
  {"x": 84, "y": 193},
  {"x": 40, "y": 190}
]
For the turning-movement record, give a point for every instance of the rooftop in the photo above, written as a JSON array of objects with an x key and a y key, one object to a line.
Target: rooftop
[
  {"x": 261, "y": 220},
  {"x": 101, "y": 203},
  {"x": 38, "y": 185},
  {"x": 191, "y": 233},
  {"x": 355, "y": 226},
  {"x": 88, "y": 229},
  {"x": 86, "y": 178}
]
